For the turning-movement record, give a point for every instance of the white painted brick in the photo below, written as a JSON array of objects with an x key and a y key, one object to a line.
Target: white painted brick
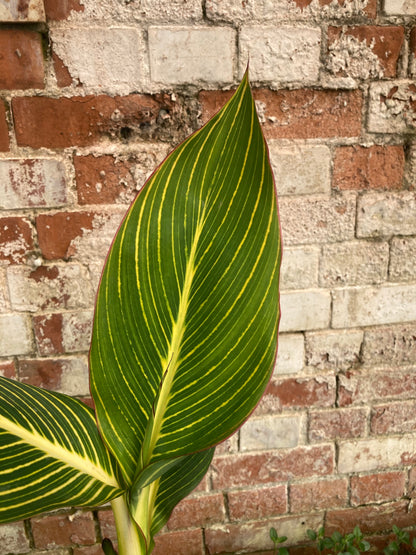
[
  {"x": 317, "y": 219},
  {"x": 15, "y": 335},
  {"x": 13, "y": 539},
  {"x": 74, "y": 379},
  {"x": 191, "y": 55},
  {"x": 403, "y": 259},
  {"x": 353, "y": 263},
  {"x": 399, "y": 7},
  {"x": 76, "y": 331},
  {"x": 31, "y": 183},
  {"x": 329, "y": 350},
  {"x": 373, "y": 454},
  {"x": 290, "y": 354},
  {"x": 281, "y": 54},
  {"x": 4, "y": 294},
  {"x": 390, "y": 346},
  {"x": 107, "y": 59},
  {"x": 50, "y": 287},
  {"x": 383, "y": 215},
  {"x": 17, "y": 11},
  {"x": 370, "y": 306},
  {"x": 305, "y": 310},
  {"x": 392, "y": 107},
  {"x": 299, "y": 268},
  {"x": 233, "y": 10},
  {"x": 300, "y": 170},
  {"x": 272, "y": 432}
]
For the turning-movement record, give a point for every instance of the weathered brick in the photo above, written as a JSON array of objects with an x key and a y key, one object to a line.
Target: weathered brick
[
  {"x": 399, "y": 7},
  {"x": 402, "y": 259},
  {"x": 65, "y": 375},
  {"x": 393, "y": 418},
  {"x": 15, "y": 335},
  {"x": 203, "y": 510},
  {"x": 16, "y": 239},
  {"x": 21, "y": 59},
  {"x": 84, "y": 120},
  {"x": 300, "y": 169},
  {"x": 270, "y": 432},
  {"x": 383, "y": 215},
  {"x": 88, "y": 550},
  {"x": 290, "y": 354},
  {"x": 62, "y": 75},
  {"x": 252, "y": 537},
  {"x": 373, "y": 167},
  {"x": 76, "y": 331},
  {"x": 8, "y": 369},
  {"x": 104, "y": 58},
  {"x": 327, "y": 425},
  {"x": 32, "y": 183},
  {"x": 186, "y": 542},
  {"x": 378, "y": 453},
  {"x": 13, "y": 539},
  {"x": 353, "y": 263},
  {"x": 107, "y": 525},
  {"x": 299, "y": 268},
  {"x": 252, "y": 504},
  {"x": 50, "y": 287},
  {"x": 192, "y": 54},
  {"x": 363, "y": 387},
  {"x": 412, "y": 47},
  {"x": 278, "y": 466},
  {"x": 317, "y": 391},
  {"x": 371, "y": 518},
  {"x": 377, "y": 488},
  {"x": 317, "y": 219},
  {"x": 390, "y": 346},
  {"x": 322, "y": 494},
  {"x": 333, "y": 350},
  {"x": 370, "y": 306},
  {"x": 392, "y": 107},
  {"x": 63, "y": 530},
  {"x": 305, "y": 310},
  {"x": 281, "y": 54},
  {"x": 58, "y": 10},
  {"x": 365, "y": 51},
  {"x": 298, "y": 113},
  {"x": 56, "y": 232},
  {"x": 4, "y": 129},
  {"x": 4, "y": 292},
  {"x": 17, "y": 11},
  {"x": 48, "y": 333}
]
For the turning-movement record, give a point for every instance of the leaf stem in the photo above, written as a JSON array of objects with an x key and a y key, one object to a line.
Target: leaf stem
[{"x": 130, "y": 541}]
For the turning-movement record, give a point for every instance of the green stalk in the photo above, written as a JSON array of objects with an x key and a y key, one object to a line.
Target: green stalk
[{"x": 130, "y": 541}]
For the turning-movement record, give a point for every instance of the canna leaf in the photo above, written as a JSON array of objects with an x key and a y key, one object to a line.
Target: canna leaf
[
  {"x": 187, "y": 313},
  {"x": 51, "y": 454}
]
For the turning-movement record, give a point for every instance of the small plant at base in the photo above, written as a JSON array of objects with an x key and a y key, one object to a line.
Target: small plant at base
[
  {"x": 277, "y": 540},
  {"x": 402, "y": 539},
  {"x": 352, "y": 543}
]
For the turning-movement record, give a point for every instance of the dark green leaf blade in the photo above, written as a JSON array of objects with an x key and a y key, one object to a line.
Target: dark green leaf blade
[
  {"x": 187, "y": 313},
  {"x": 51, "y": 454}
]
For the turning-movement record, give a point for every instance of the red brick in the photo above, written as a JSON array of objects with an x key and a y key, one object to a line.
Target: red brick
[
  {"x": 318, "y": 495},
  {"x": 58, "y": 10},
  {"x": 57, "y": 231},
  {"x": 370, "y": 518},
  {"x": 186, "y": 542},
  {"x": 299, "y": 113},
  {"x": 7, "y": 369},
  {"x": 63, "y": 530},
  {"x": 107, "y": 525},
  {"x": 102, "y": 179},
  {"x": 82, "y": 121},
  {"x": 62, "y": 74},
  {"x": 44, "y": 373},
  {"x": 370, "y": 9},
  {"x": 394, "y": 418},
  {"x": 362, "y": 387},
  {"x": 200, "y": 511},
  {"x": 337, "y": 423},
  {"x": 385, "y": 42},
  {"x": 4, "y": 129},
  {"x": 375, "y": 167},
  {"x": 89, "y": 550},
  {"x": 279, "y": 466},
  {"x": 48, "y": 334},
  {"x": 254, "y": 504},
  {"x": 377, "y": 488},
  {"x": 302, "y": 392},
  {"x": 21, "y": 59},
  {"x": 15, "y": 239}
]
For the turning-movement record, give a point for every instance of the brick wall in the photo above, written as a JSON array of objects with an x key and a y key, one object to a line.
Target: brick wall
[{"x": 93, "y": 94}]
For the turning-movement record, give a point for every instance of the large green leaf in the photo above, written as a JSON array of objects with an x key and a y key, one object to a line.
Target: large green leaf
[
  {"x": 51, "y": 454},
  {"x": 186, "y": 319}
]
